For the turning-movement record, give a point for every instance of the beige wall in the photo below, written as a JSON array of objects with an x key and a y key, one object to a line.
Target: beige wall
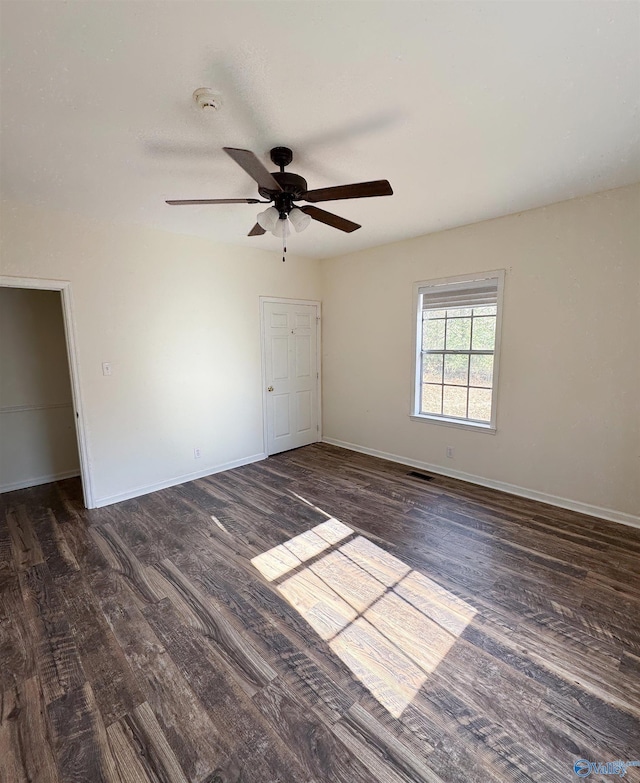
[
  {"x": 37, "y": 431},
  {"x": 568, "y": 396},
  {"x": 178, "y": 319}
]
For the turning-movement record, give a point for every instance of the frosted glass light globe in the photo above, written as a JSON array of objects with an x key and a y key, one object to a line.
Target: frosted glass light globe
[
  {"x": 268, "y": 218},
  {"x": 299, "y": 219}
]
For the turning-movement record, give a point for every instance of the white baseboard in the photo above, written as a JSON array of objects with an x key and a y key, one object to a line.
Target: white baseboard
[
  {"x": 36, "y": 482},
  {"x": 531, "y": 494},
  {"x": 135, "y": 493}
]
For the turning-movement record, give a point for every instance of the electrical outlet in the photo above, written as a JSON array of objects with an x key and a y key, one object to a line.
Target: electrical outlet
[
  {"x": 197, "y": 453},
  {"x": 450, "y": 452},
  {"x": 106, "y": 368}
]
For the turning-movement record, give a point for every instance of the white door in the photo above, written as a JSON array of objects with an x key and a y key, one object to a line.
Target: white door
[{"x": 291, "y": 374}]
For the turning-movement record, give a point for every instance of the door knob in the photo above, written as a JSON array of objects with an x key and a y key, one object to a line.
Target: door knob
[{"x": 269, "y": 388}]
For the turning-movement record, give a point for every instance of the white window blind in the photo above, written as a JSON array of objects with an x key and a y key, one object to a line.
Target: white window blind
[{"x": 465, "y": 294}]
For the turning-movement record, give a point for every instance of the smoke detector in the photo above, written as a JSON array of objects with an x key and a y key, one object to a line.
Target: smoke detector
[{"x": 207, "y": 99}]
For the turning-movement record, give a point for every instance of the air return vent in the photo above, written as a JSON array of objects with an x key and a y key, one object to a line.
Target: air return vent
[{"x": 421, "y": 476}]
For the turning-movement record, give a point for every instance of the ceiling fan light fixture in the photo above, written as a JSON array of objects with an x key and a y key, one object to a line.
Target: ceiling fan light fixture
[
  {"x": 268, "y": 218},
  {"x": 299, "y": 219},
  {"x": 281, "y": 228}
]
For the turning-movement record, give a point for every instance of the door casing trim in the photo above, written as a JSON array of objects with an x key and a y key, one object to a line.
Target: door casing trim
[{"x": 64, "y": 287}]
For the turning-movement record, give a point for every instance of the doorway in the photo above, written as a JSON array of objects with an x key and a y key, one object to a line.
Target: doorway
[
  {"x": 40, "y": 405},
  {"x": 290, "y": 373}
]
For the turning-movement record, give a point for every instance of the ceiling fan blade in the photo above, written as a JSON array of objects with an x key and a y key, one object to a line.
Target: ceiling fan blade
[
  {"x": 379, "y": 187},
  {"x": 253, "y": 167},
  {"x": 256, "y": 231},
  {"x": 330, "y": 219},
  {"x": 214, "y": 201}
]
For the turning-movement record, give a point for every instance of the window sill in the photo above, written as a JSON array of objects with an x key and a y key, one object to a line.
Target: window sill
[{"x": 464, "y": 425}]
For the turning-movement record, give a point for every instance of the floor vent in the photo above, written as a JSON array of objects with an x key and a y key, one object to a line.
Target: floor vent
[{"x": 423, "y": 476}]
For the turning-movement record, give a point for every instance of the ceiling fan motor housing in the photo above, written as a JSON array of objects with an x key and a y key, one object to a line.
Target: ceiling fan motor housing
[{"x": 293, "y": 187}]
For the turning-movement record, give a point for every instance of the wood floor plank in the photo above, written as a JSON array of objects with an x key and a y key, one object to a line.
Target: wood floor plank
[
  {"x": 122, "y": 560},
  {"x": 148, "y": 744},
  {"x": 363, "y": 723},
  {"x": 8, "y": 566},
  {"x": 17, "y": 652},
  {"x": 193, "y": 737},
  {"x": 85, "y": 552},
  {"x": 319, "y": 753},
  {"x": 382, "y": 754},
  {"x": 55, "y": 550},
  {"x": 26, "y": 747},
  {"x": 26, "y": 547},
  {"x": 526, "y": 750},
  {"x": 154, "y": 535},
  {"x": 56, "y": 653},
  {"x": 607, "y": 709},
  {"x": 250, "y": 743},
  {"x": 462, "y": 758},
  {"x": 250, "y": 667},
  {"x": 116, "y": 689},
  {"x": 12, "y": 763},
  {"x": 129, "y": 758},
  {"x": 80, "y": 739},
  {"x": 63, "y": 550}
]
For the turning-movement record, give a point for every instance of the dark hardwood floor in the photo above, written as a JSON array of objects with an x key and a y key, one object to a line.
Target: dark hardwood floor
[{"x": 317, "y": 617}]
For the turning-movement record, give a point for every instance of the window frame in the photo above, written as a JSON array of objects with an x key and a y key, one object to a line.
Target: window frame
[{"x": 416, "y": 384}]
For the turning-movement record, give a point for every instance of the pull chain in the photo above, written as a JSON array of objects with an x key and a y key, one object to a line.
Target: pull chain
[{"x": 285, "y": 232}]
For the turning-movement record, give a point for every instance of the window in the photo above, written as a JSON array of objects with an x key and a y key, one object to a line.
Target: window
[{"x": 457, "y": 345}]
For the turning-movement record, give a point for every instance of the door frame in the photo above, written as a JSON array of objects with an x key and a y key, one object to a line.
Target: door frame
[
  {"x": 283, "y": 300},
  {"x": 64, "y": 287}
]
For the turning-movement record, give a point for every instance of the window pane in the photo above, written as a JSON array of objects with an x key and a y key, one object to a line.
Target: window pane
[
  {"x": 458, "y": 311},
  {"x": 432, "y": 368},
  {"x": 456, "y": 369},
  {"x": 485, "y": 310},
  {"x": 480, "y": 404},
  {"x": 434, "y": 313},
  {"x": 432, "y": 335},
  {"x": 458, "y": 334},
  {"x": 484, "y": 333},
  {"x": 431, "y": 399},
  {"x": 454, "y": 401},
  {"x": 481, "y": 371}
]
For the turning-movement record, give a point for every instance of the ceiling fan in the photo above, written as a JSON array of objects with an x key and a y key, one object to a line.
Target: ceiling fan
[{"x": 283, "y": 188}]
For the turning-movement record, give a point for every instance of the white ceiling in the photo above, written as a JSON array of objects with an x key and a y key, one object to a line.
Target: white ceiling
[{"x": 472, "y": 110}]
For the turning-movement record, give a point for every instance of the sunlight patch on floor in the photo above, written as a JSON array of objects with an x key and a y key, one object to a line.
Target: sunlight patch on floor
[
  {"x": 285, "y": 557},
  {"x": 391, "y": 625}
]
